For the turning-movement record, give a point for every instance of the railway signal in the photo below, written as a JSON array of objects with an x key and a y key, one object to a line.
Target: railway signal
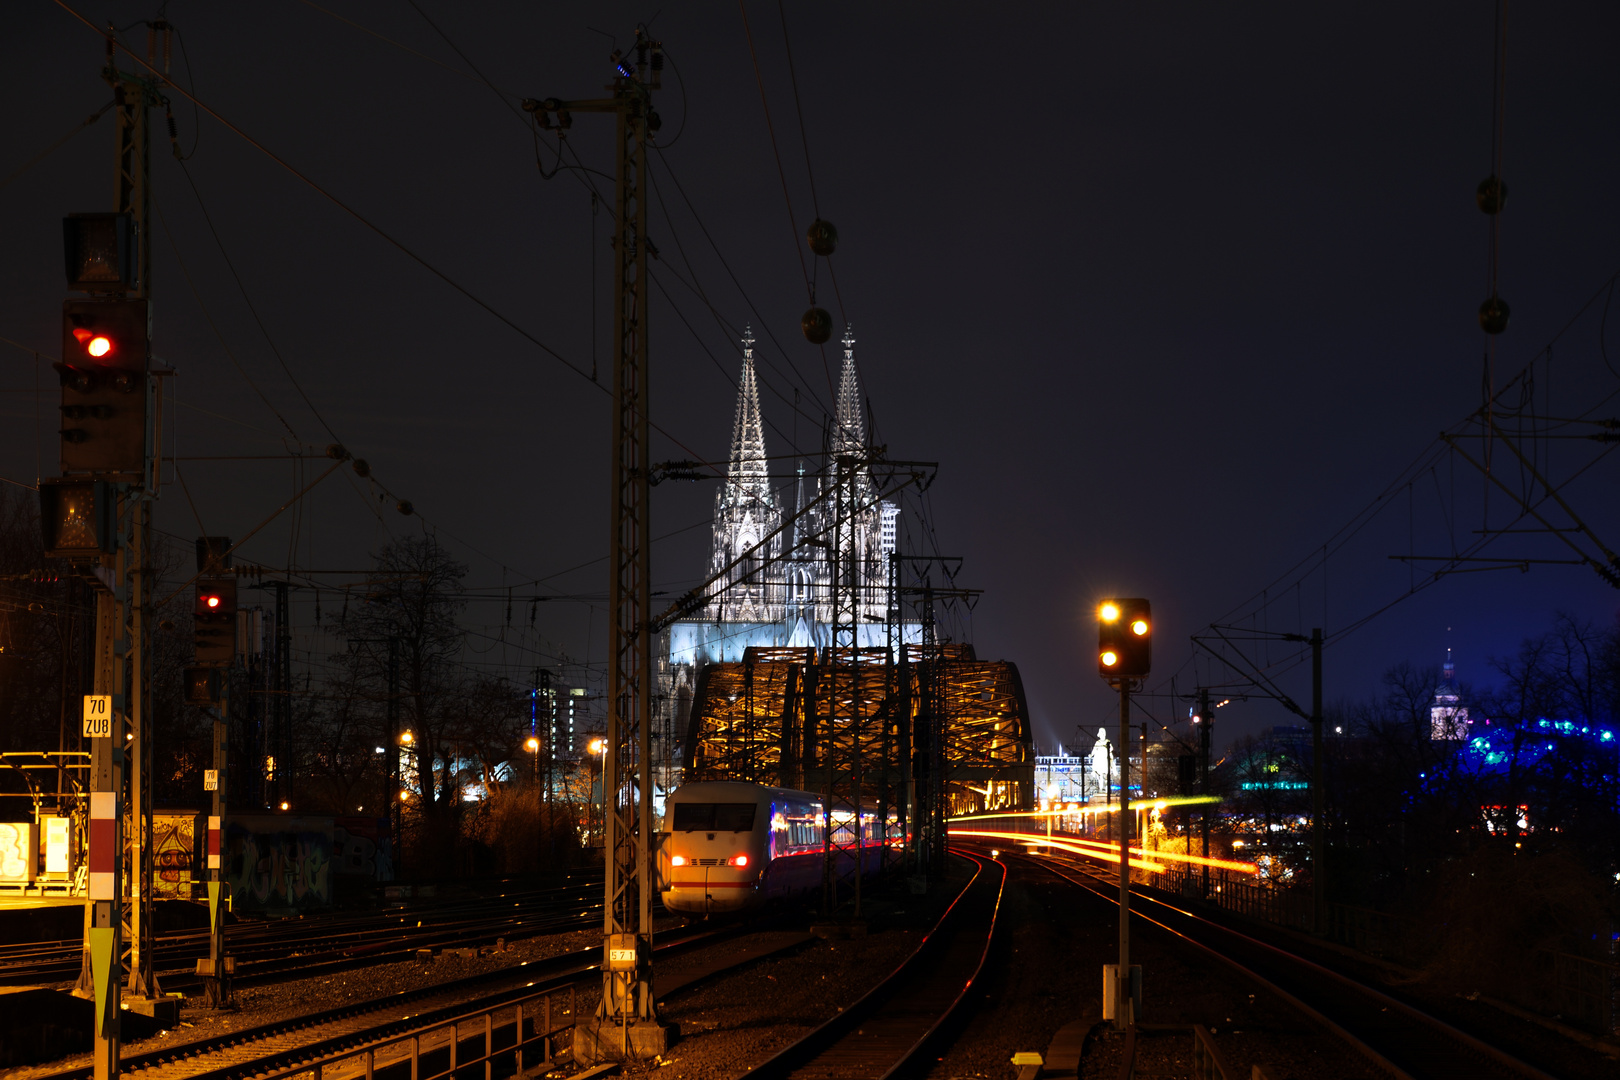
[
  {"x": 1124, "y": 638},
  {"x": 103, "y": 371},
  {"x": 78, "y": 519},
  {"x": 1124, "y": 655},
  {"x": 214, "y": 622}
]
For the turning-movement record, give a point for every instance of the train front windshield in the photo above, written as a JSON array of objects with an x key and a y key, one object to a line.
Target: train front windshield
[{"x": 714, "y": 817}]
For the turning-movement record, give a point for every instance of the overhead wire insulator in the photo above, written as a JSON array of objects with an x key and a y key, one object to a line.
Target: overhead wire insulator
[
  {"x": 823, "y": 237},
  {"x": 817, "y": 326},
  {"x": 1490, "y": 195},
  {"x": 1493, "y": 315}
]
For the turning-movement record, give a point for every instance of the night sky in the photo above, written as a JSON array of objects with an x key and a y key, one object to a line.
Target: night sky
[{"x": 1171, "y": 292}]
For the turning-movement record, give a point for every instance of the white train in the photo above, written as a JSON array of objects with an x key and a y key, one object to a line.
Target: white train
[{"x": 730, "y": 846}]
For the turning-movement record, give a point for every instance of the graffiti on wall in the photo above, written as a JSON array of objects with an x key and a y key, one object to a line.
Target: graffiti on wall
[
  {"x": 279, "y": 863},
  {"x": 17, "y": 851},
  {"x": 174, "y": 847},
  {"x": 362, "y": 847}
]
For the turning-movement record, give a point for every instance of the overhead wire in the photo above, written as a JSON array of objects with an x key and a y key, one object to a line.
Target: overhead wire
[
  {"x": 787, "y": 198},
  {"x": 58, "y": 144},
  {"x": 230, "y": 354}
]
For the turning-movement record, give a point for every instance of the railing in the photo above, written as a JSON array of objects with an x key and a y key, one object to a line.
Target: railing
[
  {"x": 1208, "y": 1061},
  {"x": 530, "y": 1025},
  {"x": 1285, "y": 907}
]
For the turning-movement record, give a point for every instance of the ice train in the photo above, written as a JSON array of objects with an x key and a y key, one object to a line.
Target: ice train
[{"x": 730, "y": 846}]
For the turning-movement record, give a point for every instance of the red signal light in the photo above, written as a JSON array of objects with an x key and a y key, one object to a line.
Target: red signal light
[
  {"x": 97, "y": 345},
  {"x": 211, "y": 601}
]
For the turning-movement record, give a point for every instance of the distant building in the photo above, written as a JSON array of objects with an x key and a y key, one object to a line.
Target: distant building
[
  {"x": 1065, "y": 778},
  {"x": 557, "y": 717}
]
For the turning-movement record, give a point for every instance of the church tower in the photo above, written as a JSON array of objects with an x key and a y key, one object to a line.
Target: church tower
[
  {"x": 746, "y": 512},
  {"x": 874, "y": 518}
]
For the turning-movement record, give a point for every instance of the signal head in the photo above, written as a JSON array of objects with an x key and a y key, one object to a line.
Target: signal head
[{"x": 1124, "y": 637}]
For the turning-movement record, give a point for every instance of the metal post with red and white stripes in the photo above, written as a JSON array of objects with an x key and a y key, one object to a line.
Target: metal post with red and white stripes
[{"x": 104, "y": 937}]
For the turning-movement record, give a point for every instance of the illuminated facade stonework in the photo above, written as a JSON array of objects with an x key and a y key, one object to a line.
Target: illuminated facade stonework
[{"x": 776, "y": 587}]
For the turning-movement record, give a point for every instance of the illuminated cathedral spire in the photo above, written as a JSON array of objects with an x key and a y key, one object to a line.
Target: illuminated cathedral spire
[
  {"x": 746, "y": 514},
  {"x": 749, "y": 472},
  {"x": 849, "y": 430}
]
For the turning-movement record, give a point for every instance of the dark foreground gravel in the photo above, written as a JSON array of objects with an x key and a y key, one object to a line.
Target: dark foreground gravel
[
  {"x": 259, "y": 1005},
  {"x": 737, "y": 1020},
  {"x": 1055, "y": 939}
]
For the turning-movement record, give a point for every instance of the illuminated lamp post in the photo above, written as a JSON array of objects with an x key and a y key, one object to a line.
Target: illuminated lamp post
[
  {"x": 533, "y": 747},
  {"x": 598, "y": 750}
]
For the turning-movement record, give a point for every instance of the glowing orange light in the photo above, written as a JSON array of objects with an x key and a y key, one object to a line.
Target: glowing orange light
[
  {"x": 1139, "y": 627},
  {"x": 677, "y": 860},
  {"x": 533, "y": 744},
  {"x": 739, "y": 860},
  {"x": 1067, "y": 845},
  {"x": 1140, "y": 857},
  {"x": 1110, "y": 658},
  {"x": 1108, "y": 612},
  {"x": 212, "y": 601},
  {"x": 99, "y": 346}
]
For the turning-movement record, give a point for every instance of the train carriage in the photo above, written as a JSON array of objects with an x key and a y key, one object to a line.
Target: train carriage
[{"x": 730, "y": 846}]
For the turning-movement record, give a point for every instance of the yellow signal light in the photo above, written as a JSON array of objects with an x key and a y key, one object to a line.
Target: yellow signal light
[
  {"x": 1110, "y": 658},
  {"x": 1139, "y": 627},
  {"x": 1108, "y": 612}
]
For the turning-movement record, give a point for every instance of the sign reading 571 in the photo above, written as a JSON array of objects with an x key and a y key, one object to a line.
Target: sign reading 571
[{"x": 97, "y": 716}]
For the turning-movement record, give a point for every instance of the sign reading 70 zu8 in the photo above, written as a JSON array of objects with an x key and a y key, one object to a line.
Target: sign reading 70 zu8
[{"x": 97, "y": 716}]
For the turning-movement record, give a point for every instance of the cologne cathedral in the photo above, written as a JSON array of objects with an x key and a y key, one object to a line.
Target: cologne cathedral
[
  {"x": 753, "y": 688},
  {"x": 778, "y": 591}
]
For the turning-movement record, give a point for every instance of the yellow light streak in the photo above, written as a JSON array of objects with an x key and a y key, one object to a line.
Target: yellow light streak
[
  {"x": 1110, "y": 852},
  {"x": 1093, "y": 808},
  {"x": 1066, "y": 844}
]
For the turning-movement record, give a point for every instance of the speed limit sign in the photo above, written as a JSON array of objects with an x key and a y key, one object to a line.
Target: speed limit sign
[{"x": 97, "y": 716}]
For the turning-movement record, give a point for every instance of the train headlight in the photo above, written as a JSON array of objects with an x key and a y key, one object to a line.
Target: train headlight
[
  {"x": 677, "y": 860},
  {"x": 737, "y": 860}
]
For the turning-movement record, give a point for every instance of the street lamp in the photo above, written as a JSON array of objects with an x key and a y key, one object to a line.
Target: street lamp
[
  {"x": 533, "y": 747},
  {"x": 598, "y": 749}
]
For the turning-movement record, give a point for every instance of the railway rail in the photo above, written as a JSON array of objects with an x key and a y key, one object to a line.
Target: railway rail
[
  {"x": 1398, "y": 1038},
  {"x": 321, "y": 1040},
  {"x": 276, "y": 950},
  {"x": 893, "y": 1025}
]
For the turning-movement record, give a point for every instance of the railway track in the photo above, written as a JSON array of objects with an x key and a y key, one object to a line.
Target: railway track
[
  {"x": 274, "y": 951},
  {"x": 890, "y": 1029},
  {"x": 1398, "y": 1038},
  {"x": 290, "y": 1044}
]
